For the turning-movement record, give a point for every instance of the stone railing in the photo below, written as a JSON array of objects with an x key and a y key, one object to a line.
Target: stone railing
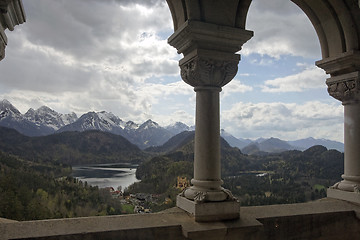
[{"x": 324, "y": 219}]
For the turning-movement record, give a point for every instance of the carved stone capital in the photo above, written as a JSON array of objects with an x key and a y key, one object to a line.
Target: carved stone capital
[
  {"x": 209, "y": 50},
  {"x": 345, "y": 88},
  {"x": 209, "y": 68},
  {"x": 201, "y": 71}
]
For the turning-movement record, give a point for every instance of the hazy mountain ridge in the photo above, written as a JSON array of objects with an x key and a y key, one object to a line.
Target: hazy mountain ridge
[
  {"x": 45, "y": 121},
  {"x": 286, "y": 177},
  {"x": 273, "y": 145}
]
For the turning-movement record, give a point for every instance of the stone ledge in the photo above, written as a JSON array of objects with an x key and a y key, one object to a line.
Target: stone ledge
[
  {"x": 344, "y": 195},
  {"x": 210, "y": 211},
  {"x": 326, "y": 219}
]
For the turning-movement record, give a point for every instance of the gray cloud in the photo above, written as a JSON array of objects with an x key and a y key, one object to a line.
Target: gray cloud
[
  {"x": 84, "y": 55},
  {"x": 288, "y": 121},
  {"x": 88, "y": 55},
  {"x": 148, "y": 3},
  {"x": 280, "y": 28}
]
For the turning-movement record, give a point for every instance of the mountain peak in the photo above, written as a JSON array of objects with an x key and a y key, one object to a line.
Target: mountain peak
[
  {"x": 149, "y": 124},
  {"x": 6, "y": 109},
  {"x": 130, "y": 125},
  {"x": 44, "y": 109},
  {"x": 178, "y": 127},
  {"x": 5, "y": 102}
]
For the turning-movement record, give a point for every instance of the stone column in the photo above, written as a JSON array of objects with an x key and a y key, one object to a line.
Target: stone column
[
  {"x": 207, "y": 173},
  {"x": 344, "y": 85},
  {"x": 210, "y": 62},
  {"x": 346, "y": 88},
  {"x": 208, "y": 75}
]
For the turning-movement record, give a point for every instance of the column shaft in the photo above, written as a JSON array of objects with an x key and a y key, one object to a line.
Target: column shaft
[
  {"x": 207, "y": 135},
  {"x": 352, "y": 148},
  {"x": 207, "y": 168}
]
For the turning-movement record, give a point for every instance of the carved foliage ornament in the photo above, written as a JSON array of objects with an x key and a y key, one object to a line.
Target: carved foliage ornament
[
  {"x": 345, "y": 91},
  {"x": 200, "y": 71}
]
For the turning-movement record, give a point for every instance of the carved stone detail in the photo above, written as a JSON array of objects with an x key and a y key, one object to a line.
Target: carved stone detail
[
  {"x": 345, "y": 90},
  {"x": 200, "y": 197},
  {"x": 201, "y": 71},
  {"x": 335, "y": 186},
  {"x": 230, "y": 196}
]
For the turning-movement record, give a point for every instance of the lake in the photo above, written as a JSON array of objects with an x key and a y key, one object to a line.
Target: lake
[{"x": 106, "y": 175}]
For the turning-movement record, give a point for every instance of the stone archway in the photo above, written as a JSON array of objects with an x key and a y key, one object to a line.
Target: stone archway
[
  {"x": 209, "y": 33},
  {"x": 11, "y": 14},
  {"x": 337, "y": 24}
]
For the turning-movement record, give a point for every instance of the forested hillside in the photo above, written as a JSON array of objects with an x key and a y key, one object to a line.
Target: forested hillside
[
  {"x": 32, "y": 191},
  {"x": 71, "y": 148},
  {"x": 35, "y": 182},
  {"x": 288, "y": 177}
]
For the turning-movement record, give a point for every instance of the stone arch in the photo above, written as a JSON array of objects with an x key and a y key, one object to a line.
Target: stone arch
[
  {"x": 209, "y": 33},
  {"x": 336, "y": 23}
]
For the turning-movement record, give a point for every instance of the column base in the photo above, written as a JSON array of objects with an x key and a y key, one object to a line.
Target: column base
[
  {"x": 343, "y": 195},
  {"x": 206, "y": 195},
  {"x": 210, "y": 211},
  {"x": 349, "y": 184}
]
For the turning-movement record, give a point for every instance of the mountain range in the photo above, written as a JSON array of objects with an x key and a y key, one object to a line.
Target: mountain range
[
  {"x": 45, "y": 121},
  {"x": 275, "y": 145}
]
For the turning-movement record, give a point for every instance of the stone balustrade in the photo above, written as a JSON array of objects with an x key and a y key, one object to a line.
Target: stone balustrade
[{"x": 324, "y": 219}]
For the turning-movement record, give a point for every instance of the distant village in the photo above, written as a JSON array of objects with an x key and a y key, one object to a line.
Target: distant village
[{"x": 141, "y": 201}]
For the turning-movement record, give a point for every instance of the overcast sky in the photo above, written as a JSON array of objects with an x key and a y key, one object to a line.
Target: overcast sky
[{"x": 93, "y": 55}]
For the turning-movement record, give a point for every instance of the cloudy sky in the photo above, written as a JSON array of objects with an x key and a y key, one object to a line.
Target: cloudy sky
[{"x": 93, "y": 55}]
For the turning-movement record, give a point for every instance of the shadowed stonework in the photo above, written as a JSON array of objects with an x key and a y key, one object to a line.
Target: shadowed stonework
[
  {"x": 209, "y": 34},
  {"x": 324, "y": 219}
]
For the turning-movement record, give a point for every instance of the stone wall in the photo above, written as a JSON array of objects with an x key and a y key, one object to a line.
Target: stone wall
[{"x": 325, "y": 219}]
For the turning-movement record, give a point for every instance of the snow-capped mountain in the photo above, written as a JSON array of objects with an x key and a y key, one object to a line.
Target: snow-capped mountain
[
  {"x": 11, "y": 117},
  {"x": 111, "y": 119},
  {"x": 8, "y": 110},
  {"x": 131, "y": 126},
  {"x": 147, "y": 134},
  {"x": 179, "y": 127},
  {"x": 45, "y": 121},
  {"x": 102, "y": 121},
  {"x": 69, "y": 118},
  {"x": 45, "y": 116}
]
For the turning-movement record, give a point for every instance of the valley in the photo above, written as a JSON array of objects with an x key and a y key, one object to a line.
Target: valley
[
  {"x": 263, "y": 171},
  {"x": 45, "y": 121}
]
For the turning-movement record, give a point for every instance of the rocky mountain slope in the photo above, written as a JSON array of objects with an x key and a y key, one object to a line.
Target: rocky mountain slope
[{"x": 45, "y": 121}]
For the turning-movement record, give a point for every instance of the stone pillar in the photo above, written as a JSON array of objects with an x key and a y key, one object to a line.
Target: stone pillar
[
  {"x": 352, "y": 147},
  {"x": 344, "y": 85},
  {"x": 207, "y": 172},
  {"x": 210, "y": 62},
  {"x": 346, "y": 88}
]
